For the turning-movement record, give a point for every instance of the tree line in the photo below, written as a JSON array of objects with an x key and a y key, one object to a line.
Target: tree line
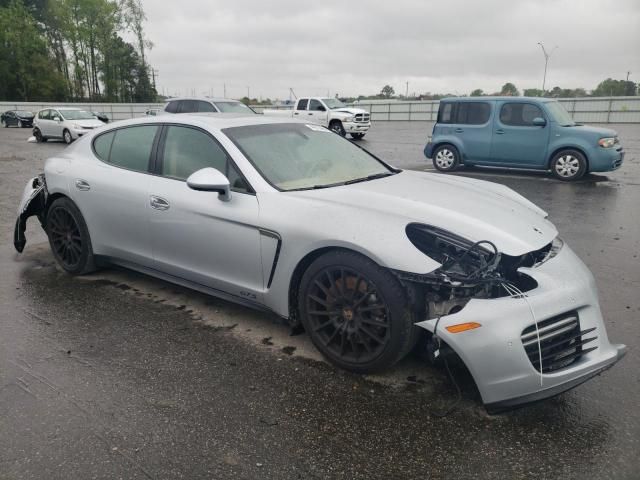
[{"x": 73, "y": 50}]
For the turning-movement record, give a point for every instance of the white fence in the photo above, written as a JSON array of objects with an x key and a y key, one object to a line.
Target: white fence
[{"x": 585, "y": 110}]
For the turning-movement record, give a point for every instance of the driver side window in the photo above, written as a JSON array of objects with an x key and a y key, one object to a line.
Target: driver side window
[
  {"x": 316, "y": 106},
  {"x": 187, "y": 150}
]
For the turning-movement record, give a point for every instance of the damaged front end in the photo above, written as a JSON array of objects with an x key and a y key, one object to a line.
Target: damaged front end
[
  {"x": 34, "y": 201},
  {"x": 527, "y": 327}
]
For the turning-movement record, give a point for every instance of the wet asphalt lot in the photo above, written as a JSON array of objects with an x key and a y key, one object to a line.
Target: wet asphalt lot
[{"x": 116, "y": 375}]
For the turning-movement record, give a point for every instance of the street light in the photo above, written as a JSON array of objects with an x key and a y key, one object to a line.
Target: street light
[{"x": 547, "y": 56}]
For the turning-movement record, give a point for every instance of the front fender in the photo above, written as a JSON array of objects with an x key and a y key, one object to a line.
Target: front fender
[{"x": 34, "y": 201}]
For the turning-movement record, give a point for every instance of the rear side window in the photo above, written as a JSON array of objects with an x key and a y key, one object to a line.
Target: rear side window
[
  {"x": 102, "y": 145},
  {"x": 188, "y": 106},
  {"x": 172, "y": 107},
  {"x": 131, "y": 147},
  {"x": 302, "y": 104},
  {"x": 519, "y": 114},
  {"x": 205, "y": 107},
  {"x": 473, "y": 113},
  {"x": 445, "y": 114}
]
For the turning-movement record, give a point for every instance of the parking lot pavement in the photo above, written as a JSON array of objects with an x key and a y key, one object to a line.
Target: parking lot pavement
[{"x": 116, "y": 375}]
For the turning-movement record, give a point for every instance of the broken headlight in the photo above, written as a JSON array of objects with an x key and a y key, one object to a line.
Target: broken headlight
[{"x": 459, "y": 258}]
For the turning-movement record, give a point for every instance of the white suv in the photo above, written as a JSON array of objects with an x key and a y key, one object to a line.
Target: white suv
[{"x": 65, "y": 123}]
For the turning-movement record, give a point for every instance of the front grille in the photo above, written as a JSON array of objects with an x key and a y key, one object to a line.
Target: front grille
[
  {"x": 561, "y": 342},
  {"x": 362, "y": 118}
]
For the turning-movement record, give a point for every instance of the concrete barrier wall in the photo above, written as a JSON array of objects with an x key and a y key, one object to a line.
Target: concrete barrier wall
[{"x": 584, "y": 110}]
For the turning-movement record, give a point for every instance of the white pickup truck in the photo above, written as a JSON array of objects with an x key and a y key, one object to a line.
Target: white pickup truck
[{"x": 329, "y": 112}]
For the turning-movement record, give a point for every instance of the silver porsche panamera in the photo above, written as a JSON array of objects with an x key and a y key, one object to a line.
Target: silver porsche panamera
[{"x": 368, "y": 259}]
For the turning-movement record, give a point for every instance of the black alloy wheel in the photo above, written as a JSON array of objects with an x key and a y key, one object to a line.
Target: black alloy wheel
[
  {"x": 355, "y": 312},
  {"x": 69, "y": 237}
]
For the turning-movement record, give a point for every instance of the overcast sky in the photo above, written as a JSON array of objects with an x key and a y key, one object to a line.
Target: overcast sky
[{"x": 350, "y": 48}]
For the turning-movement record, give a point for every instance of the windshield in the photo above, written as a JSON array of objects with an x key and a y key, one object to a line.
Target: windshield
[
  {"x": 294, "y": 156},
  {"x": 76, "y": 115},
  {"x": 333, "y": 103},
  {"x": 233, "y": 107},
  {"x": 559, "y": 114},
  {"x": 24, "y": 113}
]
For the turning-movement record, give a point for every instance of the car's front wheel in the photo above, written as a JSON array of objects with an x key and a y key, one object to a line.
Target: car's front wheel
[
  {"x": 20, "y": 124},
  {"x": 39, "y": 137},
  {"x": 66, "y": 136},
  {"x": 355, "y": 312},
  {"x": 69, "y": 237},
  {"x": 4, "y": 123},
  {"x": 357, "y": 136},
  {"x": 336, "y": 127},
  {"x": 568, "y": 165},
  {"x": 446, "y": 158}
]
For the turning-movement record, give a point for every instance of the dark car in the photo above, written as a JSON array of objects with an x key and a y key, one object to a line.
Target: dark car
[
  {"x": 101, "y": 116},
  {"x": 18, "y": 118}
]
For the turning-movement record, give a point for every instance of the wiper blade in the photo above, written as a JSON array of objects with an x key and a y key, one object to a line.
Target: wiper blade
[{"x": 369, "y": 177}]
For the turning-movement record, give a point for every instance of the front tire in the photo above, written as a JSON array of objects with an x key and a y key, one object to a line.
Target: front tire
[
  {"x": 355, "y": 312},
  {"x": 20, "y": 124},
  {"x": 69, "y": 237},
  {"x": 336, "y": 127},
  {"x": 4, "y": 123},
  {"x": 357, "y": 136},
  {"x": 446, "y": 158},
  {"x": 66, "y": 136},
  {"x": 568, "y": 165},
  {"x": 38, "y": 134}
]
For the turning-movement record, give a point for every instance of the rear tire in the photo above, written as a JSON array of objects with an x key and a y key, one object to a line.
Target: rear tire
[
  {"x": 38, "y": 134},
  {"x": 66, "y": 136},
  {"x": 336, "y": 127},
  {"x": 69, "y": 237},
  {"x": 568, "y": 165},
  {"x": 355, "y": 312},
  {"x": 446, "y": 158}
]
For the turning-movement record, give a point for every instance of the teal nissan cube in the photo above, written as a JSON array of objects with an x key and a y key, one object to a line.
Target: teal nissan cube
[{"x": 519, "y": 132}]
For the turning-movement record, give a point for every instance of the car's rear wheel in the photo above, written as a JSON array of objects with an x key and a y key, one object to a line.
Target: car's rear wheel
[
  {"x": 355, "y": 312},
  {"x": 336, "y": 127},
  {"x": 69, "y": 237},
  {"x": 446, "y": 158},
  {"x": 38, "y": 134},
  {"x": 568, "y": 165},
  {"x": 66, "y": 136},
  {"x": 357, "y": 136}
]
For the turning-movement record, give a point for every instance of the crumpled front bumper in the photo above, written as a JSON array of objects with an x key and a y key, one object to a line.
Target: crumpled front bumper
[
  {"x": 356, "y": 127},
  {"x": 494, "y": 353},
  {"x": 34, "y": 201}
]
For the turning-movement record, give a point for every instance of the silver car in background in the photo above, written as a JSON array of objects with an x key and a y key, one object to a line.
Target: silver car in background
[
  {"x": 206, "y": 105},
  {"x": 63, "y": 123},
  {"x": 370, "y": 260}
]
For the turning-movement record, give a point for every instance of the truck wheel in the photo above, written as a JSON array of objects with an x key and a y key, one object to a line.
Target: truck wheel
[
  {"x": 568, "y": 165},
  {"x": 357, "y": 136},
  {"x": 446, "y": 158},
  {"x": 336, "y": 127},
  {"x": 355, "y": 312}
]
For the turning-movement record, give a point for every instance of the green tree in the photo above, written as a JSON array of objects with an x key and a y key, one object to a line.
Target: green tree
[
  {"x": 387, "y": 91},
  {"x": 615, "y": 88},
  {"x": 533, "y": 92},
  {"x": 509, "y": 89},
  {"x": 478, "y": 92}
]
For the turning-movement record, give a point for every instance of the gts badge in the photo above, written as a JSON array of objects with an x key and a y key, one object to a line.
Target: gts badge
[{"x": 249, "y": 295}]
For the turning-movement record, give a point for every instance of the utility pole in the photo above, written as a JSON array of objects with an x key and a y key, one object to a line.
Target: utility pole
[
  {"x": 248, "y": 95},
  {"x": 406, "y": 95},
  {"x": 224, "y": 89},
  {"x": 547, "y": 56},
  {"x": 154, "y": 74},
  {"x": 628, "y": 73}
]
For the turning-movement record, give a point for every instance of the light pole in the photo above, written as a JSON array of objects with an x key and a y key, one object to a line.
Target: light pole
[{"x": 547, "y": 56}]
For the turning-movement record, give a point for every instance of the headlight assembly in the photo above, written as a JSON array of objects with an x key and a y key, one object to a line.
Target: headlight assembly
[{"x": 608, "y": 142}]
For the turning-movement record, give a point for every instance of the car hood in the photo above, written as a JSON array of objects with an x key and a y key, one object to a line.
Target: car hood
[
  {"x": 474, "y": 209},
  {"x": 350, "y": 110},
  {"x": 599, "y": 132},
  {"x": 93, "y": 122}
]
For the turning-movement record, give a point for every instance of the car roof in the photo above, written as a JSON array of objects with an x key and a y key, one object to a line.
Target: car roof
[
  {"x": 204, "y": 99},
  {"x": 214, "y": 121},
  {"x": 494, "y": 98}
]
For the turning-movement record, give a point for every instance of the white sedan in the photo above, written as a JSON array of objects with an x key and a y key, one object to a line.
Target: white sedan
[{"x": 368, "y": 259}]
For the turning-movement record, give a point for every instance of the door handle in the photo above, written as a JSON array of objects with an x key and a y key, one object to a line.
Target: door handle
[
  {"x": 459, "y": 130},
  {"x": 158, "y": 203},
  {"x": 500, "y": 132},
  {"x": 82, "y": 185}
]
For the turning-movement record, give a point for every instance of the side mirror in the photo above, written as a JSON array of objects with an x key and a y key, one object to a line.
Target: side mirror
[
  {"x": 539, "y": 122},
  {"x": 56, "y": 119},
  {"x": 210, "y": 180},
  {"x": 320, "y": 108}
]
